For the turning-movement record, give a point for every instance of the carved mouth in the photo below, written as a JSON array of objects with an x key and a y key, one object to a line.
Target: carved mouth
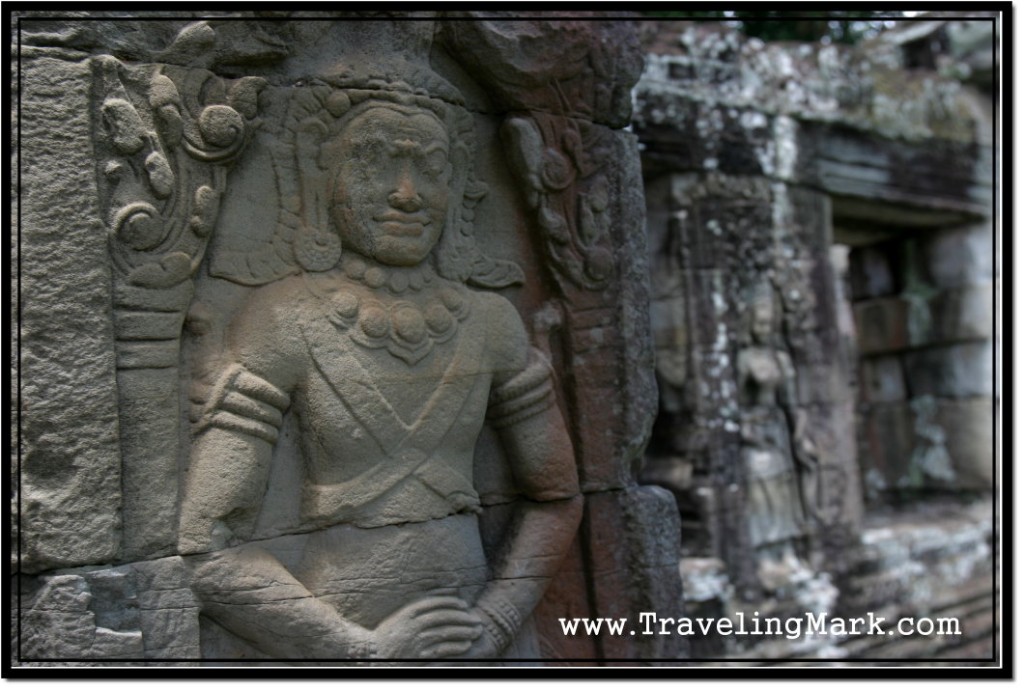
[{"x": 397, "y": 223}]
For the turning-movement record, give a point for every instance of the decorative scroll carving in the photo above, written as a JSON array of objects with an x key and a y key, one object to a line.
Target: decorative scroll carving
[
  {"x": 163, "y": 149},
  {"x": 164, "y": 138},
  {"x": 559, "y": 162},
  {"x": 563, "y": 95}
]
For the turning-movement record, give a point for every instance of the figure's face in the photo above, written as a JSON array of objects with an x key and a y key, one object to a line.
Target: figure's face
[
  {"x": 390, "y": 194},
  {"x": 761, "y": 326}
]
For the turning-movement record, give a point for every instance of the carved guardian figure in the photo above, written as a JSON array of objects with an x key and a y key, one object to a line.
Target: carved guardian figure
[{"x": 370, "y": 329}]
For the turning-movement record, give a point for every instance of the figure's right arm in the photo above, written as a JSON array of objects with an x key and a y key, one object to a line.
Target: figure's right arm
[
  {"x": 244, "y": 588},
  {"x": 236, "y": 431}
]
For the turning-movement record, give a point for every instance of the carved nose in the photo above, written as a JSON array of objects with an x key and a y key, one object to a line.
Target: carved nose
[{"x": 405, "y": 197}]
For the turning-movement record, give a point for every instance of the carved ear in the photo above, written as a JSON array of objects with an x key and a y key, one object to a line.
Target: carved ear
[
  {"x": 308, "y": 138},
  {"x": 316, "y": 246}
]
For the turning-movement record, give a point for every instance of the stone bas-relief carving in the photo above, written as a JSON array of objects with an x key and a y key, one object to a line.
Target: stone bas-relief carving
[
  {"x": 332, "y": 435},
  {"x": 390, "y": 363},
  {"x": 779, "y": 459}
]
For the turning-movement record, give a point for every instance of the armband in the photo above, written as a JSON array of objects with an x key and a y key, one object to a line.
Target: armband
[
  {"x": 525, "y": 395},
  {"x": 243, "y": 402}
]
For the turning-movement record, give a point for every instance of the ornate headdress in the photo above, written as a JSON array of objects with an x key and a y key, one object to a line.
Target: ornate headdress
[{"x": 318, "y": 112}]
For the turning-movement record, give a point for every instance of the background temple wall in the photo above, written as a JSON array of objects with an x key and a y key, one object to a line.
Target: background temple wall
[{"x": 860, "y": 177}]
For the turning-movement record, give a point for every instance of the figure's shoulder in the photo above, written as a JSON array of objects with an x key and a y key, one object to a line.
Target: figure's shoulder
[
  {"x": 494, "y": 307},
  {"x": 506, "y": 333},
  {"x": 266, "y": 326}
]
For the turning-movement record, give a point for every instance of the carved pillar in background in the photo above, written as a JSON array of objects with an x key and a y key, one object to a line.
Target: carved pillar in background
[
  {"x": 728, "y": 215},
  {"x": 70, "y": 467}
]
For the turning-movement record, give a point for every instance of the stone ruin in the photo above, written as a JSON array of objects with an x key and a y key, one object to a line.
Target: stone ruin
[
  {"x": 821, "y": 235},
  {"x": 252, "y": 244}
]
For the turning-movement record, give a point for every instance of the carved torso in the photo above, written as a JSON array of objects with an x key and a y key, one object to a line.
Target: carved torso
[
  {"x": 388, "y": 438},
  {"x": 763, "y": 371}
]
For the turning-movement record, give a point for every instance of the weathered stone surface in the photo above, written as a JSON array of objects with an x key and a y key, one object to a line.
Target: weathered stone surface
[
  {"x": 945, "y": 177},
  {"x": 882, "y": 325},
  {"x": 595, "y": 62},
  {"x": 886, "y": 444},
  {"x": 144, "y": 610},
  {"x": 167, "y": 609},
  {"x": 819, "y": 383},
  {"x": 957, "y": 371},
  {"x": 872, "y": 271},
  {"x": 646, "y": 566},
  {"x": 959, "y": 256},
  {"x": 963, "y": 314},
  {"x": 62, "y": 620},
  {"x": 70, "y": 493},
  {"x": 716, "y": 240},
  {"x": 934, "y": 559},
  {"x": 899, "y": 161},
  {"x": 881, "y": 380},
  {"x": 865, "y": 132},
  {"x": 968, "y": 424}
]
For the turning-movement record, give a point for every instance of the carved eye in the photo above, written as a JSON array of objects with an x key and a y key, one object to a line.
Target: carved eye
[
  {"x": 435, "y": 161},
  {"x": 373, "y": 154}
]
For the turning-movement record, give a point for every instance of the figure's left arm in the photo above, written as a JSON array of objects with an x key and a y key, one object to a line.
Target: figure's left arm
[
  {"x": 803, "y": 448},
  {"x": 524, "y": 413}
]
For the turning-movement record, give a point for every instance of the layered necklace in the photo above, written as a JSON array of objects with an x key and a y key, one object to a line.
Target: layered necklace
[{"x": 406, "y": 329}]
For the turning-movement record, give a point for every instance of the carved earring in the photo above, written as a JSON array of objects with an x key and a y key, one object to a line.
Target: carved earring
[{"x": 316, "y": 249}]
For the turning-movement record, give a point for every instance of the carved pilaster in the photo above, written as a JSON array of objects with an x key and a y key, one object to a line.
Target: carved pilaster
[{"x": 164, "y": 139}]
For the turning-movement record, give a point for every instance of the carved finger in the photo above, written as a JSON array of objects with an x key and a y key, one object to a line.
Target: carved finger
[
  {"x": 443, "y": 634},
  {"x": 430, "y": 604},
  {"x": 447, "y": 617},
  {"x": 446, "y": 649}
]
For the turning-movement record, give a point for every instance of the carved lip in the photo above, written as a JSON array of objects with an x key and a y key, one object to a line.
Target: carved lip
[{"x": 398, "y": 223}]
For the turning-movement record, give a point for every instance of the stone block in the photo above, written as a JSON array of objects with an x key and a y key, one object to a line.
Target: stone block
[
  {"x": 928, "y": 444},
  {"x": 871, "y": 271},
  {"x": 968, "y": 424},
  {"x": 963, "y": 313},
  {"x": 70, "y": 463},
  {"x": 822, "y": 383},
  {"x": 59, "y": 622},
  {"x": 168, "y": 611},
  {"x": 649, "y": 517},
  {"x": 886, "y": 445},
  {"x": 959, "y": 256},
  {"x": 882, "y": 325},
  {"x": 956, "y": 371},
  {"x": 881, "y": 379}
]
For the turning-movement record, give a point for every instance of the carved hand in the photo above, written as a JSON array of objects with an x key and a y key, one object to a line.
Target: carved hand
[
  {"x": 486, "y": 646},
  {"x": 438, "y": 626}
]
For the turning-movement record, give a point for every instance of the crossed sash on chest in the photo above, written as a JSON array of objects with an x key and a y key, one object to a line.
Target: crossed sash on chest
[{"x": 407, "y": 450}]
